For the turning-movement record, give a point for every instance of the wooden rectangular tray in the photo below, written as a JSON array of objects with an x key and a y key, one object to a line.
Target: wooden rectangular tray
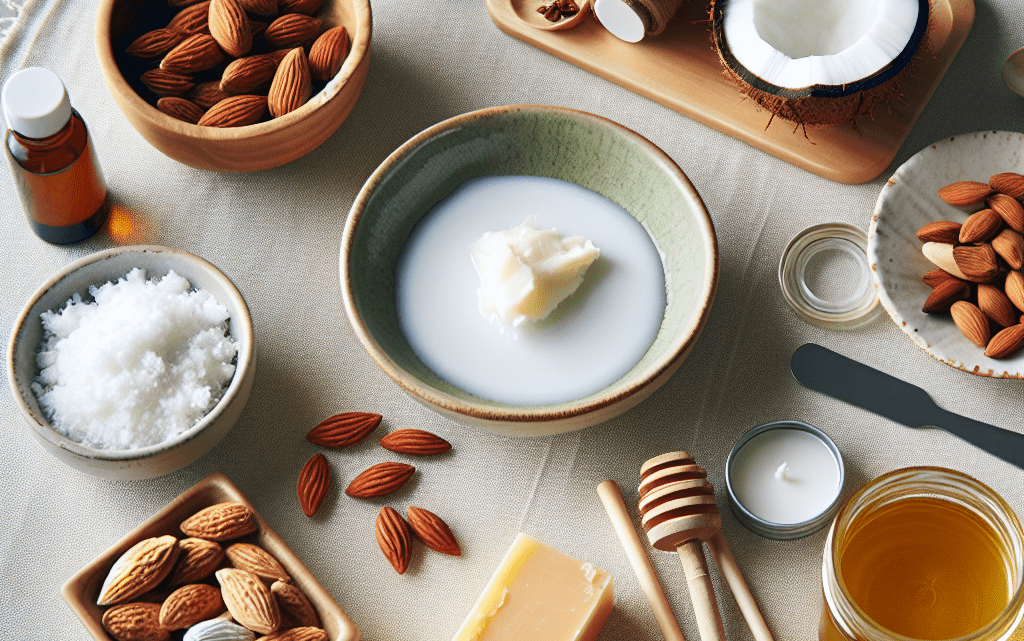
[{"x": 680, "y": 69}]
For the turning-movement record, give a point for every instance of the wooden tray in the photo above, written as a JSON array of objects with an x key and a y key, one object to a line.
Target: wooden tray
[{"x": 680, "y": 69}]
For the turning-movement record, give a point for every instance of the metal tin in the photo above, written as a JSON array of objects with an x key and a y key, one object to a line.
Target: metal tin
[{"x": 783, "y": 531}]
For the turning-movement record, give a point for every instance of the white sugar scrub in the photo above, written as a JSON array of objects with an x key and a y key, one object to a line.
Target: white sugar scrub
[
  {"x": 139, "y": 364},
  {"x": 590, "y": 340}
]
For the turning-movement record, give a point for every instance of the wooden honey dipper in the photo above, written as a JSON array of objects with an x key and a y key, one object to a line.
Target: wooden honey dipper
[{"x": 678, "y": 511}]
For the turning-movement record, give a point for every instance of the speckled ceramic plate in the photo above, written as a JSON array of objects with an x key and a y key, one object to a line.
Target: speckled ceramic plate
[{"x": 908, "y": 202}]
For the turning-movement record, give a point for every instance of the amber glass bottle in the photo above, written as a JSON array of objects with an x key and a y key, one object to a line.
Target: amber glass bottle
[{"x": 54, "y": 164}]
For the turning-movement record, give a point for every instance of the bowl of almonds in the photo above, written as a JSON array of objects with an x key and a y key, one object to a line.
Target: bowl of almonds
[
  {"x": 234, "y": 85},
  {"x": 946, "y": 247}
]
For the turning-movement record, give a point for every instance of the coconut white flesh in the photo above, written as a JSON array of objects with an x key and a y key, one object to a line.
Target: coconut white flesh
[{"x": 799, "y": 43}]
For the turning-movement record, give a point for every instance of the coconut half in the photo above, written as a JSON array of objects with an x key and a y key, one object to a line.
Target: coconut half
[{"x": 819, "y": 62}]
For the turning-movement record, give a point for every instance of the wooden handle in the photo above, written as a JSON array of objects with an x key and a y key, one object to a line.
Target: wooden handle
[
  {"x": 709, "y": 621},
  {"x": 611, "y": 496},
  {"x": 722, "y": 555}
]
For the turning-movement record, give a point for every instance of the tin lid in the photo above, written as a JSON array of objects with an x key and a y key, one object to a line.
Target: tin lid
[
  {"x": 35, "y": 103},
  {"x": 826, "y": 278}
]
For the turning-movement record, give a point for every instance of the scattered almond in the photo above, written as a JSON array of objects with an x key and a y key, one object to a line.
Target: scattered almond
[
  {"x": 379, "y": 480},
  {"x": 996, "y": 305},
  {"x": 1008, "y": 183},
  {"x": 965, "y": 192},
  {"x": 1006, "y": 343},
  {"x": 1009, "y": 209},
  {"x": 940, "y": 231},
  {"x": 192, "y": 19},
  {"x": 314, "y": 480},
  {"x": 196, "y": 561},
  {"x": 328, "y": 53},
  {"x": 297, "y": 634},
  {"x": 296, "y": 610},
  {"x": 139, "y": 569},
  {"x": 412, "y": 441},
  {"x": 971, "y": 321},
  {"x": 167, "y": 83},
  {"x": 235, "y": 111},
  {"x": 433, "y": 531},
  {"x": 1014, "y": 288},
  {"x": 247, "y": 75},
  {"x": 153, "y": 44},
  {"x": 249, "y": 600},
  {"x": 980, "y": 226},
  {"x": 180, "y": 108},
  {"x": 979, "y": 263},
  {"x": 189, "y": 605},
  {"x": 253, "y": 558},
  {"x": 292, "y": 30},
  {"x": 135, "y": 622},
  {"x": 221, "y": 522},
  {"x": 343, "y": 430},
  {"x": 292, "y": 84},
  {"x": 394, "y": 538},
  {"x": 941, "y": 255},
  {"x": 1010, "y": 247},
  {"x": 944, "y": 295},
  {"x": 230, "y": 26}
]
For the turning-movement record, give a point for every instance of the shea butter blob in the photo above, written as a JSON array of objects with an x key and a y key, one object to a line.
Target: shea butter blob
[{"x": 583, "y": 344}]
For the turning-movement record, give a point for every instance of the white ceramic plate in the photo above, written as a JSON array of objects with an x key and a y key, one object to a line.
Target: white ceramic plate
[{"x": 908, "y": 202}]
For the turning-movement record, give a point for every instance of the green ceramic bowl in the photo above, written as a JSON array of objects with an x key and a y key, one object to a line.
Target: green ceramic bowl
[{"x": 582, "y": 148}]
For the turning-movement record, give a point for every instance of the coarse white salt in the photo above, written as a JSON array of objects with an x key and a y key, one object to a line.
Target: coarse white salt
[{"x": 141, "y": 364}]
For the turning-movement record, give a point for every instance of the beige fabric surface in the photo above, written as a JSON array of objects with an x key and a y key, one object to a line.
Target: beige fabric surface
[{"x": 276, "y": 234}]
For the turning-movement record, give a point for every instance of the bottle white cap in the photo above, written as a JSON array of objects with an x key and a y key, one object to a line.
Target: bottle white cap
[
  {"x": 620, "y": 19},
  {"x": 36, "y": 105}
]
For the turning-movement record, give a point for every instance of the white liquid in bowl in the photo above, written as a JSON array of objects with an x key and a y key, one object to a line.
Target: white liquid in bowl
[{"x": 591, "y": 340}]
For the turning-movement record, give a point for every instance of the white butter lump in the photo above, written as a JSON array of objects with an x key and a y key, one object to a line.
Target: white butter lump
[{"x": 526, "y": 272}]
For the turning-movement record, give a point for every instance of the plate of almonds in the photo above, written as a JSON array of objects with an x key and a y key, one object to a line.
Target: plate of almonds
[{"x": 946, "y": 247}]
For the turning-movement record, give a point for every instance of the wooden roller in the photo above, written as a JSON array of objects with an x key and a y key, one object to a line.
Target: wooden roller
[{"x": 678, "y": 511}]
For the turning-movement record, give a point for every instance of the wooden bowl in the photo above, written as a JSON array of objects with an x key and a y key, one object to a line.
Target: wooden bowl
[{"x": 233, "y": 149}]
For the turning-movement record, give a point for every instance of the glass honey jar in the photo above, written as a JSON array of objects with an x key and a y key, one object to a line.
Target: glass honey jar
[{"x": 923, "y": 553}]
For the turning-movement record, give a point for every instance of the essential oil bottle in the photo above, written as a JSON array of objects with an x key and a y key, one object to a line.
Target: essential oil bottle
[{"x": 54, "y": 163}]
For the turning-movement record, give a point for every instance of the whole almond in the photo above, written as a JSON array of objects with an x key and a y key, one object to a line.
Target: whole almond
[
  {"x": 154, "y": 44},
  {"x": 307, "y": 7},
  {"x": 994, "y": 302},
  {"x": 260, "y": 7},
  {"x": 980, "y": 226},
  {"x": 394, "y": 538},
  {"x": 190, "y": 604},
  {"x": 412, "y": 441},
  {"x": 167, "y": 83},
  {"x": 944, "y": 295},
  {"x": 292, "y": 84},
  {"x": 979, "y": 263},
  {"x": 195, "y": 53},
  {"x": 249, "y": 600},
  {"x": 379, "y": 480},
  {"x": 134, "y": 622},
  {"x": 192, "y": 19},
  {"x": 941, "y": 255},
  {"x": 297, "y": 634},
  {"x": 221, "y": 522},
  {"x": 292, "y": 30},
  {"x": 219, "y": 630},
  {"x": 196, "y": 561},
  {"x": 1010, "y": 247},
  {"x": 328, "y": 53},
  {"x": 207, "y": 94},
  {"x": 253, "y": 558},
  {"x": 1009, "y": 209},
  {"x": 230, "y": 26},
  {"x": 139, "y": 569},
  {"x": 248, "y": 75},
  {"x": 257, "y": 28},
  {"x": 343, "y": 430},
  {"x": 1006, "y": 343},
  {"x": 965, "y": 192},
  {"x": 296, "y": 610},
  {"x": 179, "y": 4},
  {"x": 1014, "y": 288},
  {"x": 235, "y": 111},
  {"x": 433, "y": 531},
  {"x": 314, "y": 480},
  {"x": 1008, "y": 183},
  {"x": 971, "y": 321},
  {"x": 936, "y": 276},
  {"x": 940, "y": 231},
  {"x": 180, "y": 108}
]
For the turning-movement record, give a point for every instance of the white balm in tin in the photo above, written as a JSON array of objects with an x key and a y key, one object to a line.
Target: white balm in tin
[{"x": 784, "y": 479}]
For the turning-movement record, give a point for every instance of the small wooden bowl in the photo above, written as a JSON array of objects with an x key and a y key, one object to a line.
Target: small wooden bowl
[{"x": 234, "y": 149}]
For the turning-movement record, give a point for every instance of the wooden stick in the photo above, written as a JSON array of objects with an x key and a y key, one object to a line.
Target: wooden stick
[
  {"x": 611, "y": 496},
  {"x": 702, "y": 593},
  {"x": 730, "y": 571}
]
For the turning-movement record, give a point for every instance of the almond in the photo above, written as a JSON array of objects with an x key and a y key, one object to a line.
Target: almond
[
  {"x": 314, "y": 480},
  {"x": 253, "y": 558},
  {"x": 135, "y": 622},
  {"x": 260, "y": 7},
  {"x": 941, "y": 255},
  {"x": 1008, "y": 183},
  {"x": 167, "y": 83},
  {"x": 153, "y": 44},
  {"x": 296, "y": 610},
  {"x": 965, "y": 192},
  {"x": 971, "y": 321},
  {"x": 1010, "y": 247},
  {"x": 230, "y": 26},
  {"x": 433, "y": 531},
  {"x": 996, "y": 305},
  {"x": 235, "y": 111},
  {"x": 195, "y": 53},
  {"x": 297, "y": 634},
  {"x": 980, "y": 226},
  {"x": 380, "y": 479},
  {"x": 394, "y": 538},
  {"x": 256, "y": 28},
  {"x": 1014, "y": 288},
  {"x": 221, "y": 522},
  {"x": 278, "y": 54},
  {"x": 191, "y": 19},
  {"x": 180, "y": 108},
  {"x": 139, "y": 569},
  {"x": 292, "y": 84},
  {"x": 248, "y": 75},
  {"x": 218, "y": 630},
  {"x": 1007, "y": 342},
  {"x": 343, "y": 430},
  {"x": 1009, "y": 209},
  {"x": 945, "y": 294},
  {"x": 940, "y": 231},
  {"x": 196, "y": 561},
  {"x": 190, "y": 604},
  {"x": 179, "y": 4},
  {"x": 936, "y": 276},
  {"x": 207, "y": 94},
  {"x": 411, "y": 441},
  {"x": 291, "y": 30},
  {"x": 249, "y": 600},
  {"x": 979, "y": 263},
  {"x": 307, "y": 7},
  {"x": 328, "y": 53}
]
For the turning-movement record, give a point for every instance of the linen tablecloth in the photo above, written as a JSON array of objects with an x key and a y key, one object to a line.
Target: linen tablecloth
[{"x": 276, "y": 234}]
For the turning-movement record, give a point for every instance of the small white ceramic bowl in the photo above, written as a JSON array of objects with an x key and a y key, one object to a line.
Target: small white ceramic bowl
[
  {"x": 907, "y": 203},
  {"x": 99, "y": 268}
]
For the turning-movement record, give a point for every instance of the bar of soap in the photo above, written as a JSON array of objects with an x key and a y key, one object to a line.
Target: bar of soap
[{"x": 540, "y": 594}]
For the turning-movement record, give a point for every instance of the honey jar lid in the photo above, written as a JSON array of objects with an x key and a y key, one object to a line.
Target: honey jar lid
[{"x": 36, "y": 105}]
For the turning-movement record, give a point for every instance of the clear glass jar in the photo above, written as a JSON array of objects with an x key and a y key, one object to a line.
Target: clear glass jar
[{"x": 975, "y": 519}]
